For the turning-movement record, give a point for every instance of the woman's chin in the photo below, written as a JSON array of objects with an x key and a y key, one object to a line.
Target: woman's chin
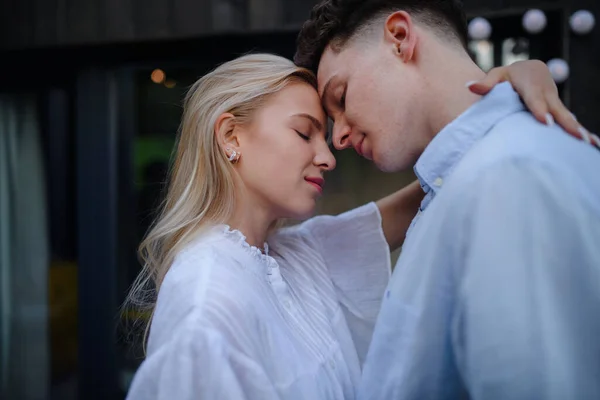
[{"x": 303, "y": 211}]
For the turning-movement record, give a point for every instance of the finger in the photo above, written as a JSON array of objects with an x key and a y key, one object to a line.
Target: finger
[
  {"x": 562, "y": 115},
  {"x": 585, "y": 136},
  {"x": 595, "y": 140},
  {"x": 493, "y": 77},
  {"x": 537, "y": 105},
  {"x": 480, "y": 88}
]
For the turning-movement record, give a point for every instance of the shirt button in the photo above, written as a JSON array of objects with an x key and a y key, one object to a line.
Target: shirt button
[
  {"x": 286, "y": 304},
  {"x": 438, "y": 182},
  {"x": 332, "y": 364}
]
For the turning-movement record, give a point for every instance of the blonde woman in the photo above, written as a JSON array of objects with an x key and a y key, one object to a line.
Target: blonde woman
[{"x": 244, "y": 310}]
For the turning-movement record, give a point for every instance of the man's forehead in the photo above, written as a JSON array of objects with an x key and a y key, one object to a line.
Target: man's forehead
[{"x": 327, "y": 70}]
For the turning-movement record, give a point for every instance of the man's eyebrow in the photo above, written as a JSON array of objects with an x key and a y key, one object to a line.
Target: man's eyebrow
[
  {"x": 325, "y": 91},
  {"x": 312, "y": 119}
]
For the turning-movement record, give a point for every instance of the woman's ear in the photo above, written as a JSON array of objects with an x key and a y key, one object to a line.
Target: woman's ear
[{"x": 226, "y": 134}]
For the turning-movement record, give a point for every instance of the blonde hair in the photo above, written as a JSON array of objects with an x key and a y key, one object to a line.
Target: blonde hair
[{"x": 201, "y": 181}]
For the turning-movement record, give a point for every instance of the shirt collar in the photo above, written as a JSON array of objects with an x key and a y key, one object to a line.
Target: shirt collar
[{"x": 449, "y": 146}]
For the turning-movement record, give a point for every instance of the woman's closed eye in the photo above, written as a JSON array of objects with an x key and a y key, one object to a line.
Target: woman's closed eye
[{"x": 302, "y": 135}]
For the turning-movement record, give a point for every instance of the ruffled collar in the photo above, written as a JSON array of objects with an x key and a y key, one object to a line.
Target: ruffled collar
[
  {"x": 238, "y": 237},
  {"x": 270, "y": 267}
]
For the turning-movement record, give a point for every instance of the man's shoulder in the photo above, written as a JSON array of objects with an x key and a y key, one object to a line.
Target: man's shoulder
[{"x": 521, "y": 139}]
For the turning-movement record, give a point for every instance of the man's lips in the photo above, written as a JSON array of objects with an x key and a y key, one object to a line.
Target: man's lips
[
  {"x": 316, "y": 182},
  {"x": 358, "y": 147},
  {"x": 362, "y": 151}
]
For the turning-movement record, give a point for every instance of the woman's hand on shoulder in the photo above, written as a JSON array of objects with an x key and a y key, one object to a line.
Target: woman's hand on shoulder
[{"x": 534, "y": 83}]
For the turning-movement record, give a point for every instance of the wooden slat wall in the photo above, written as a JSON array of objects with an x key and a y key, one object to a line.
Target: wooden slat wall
[
  {"x": 296, "y": 11},
  {"x": 17, "y": 21},
  {"x": 228, "y": 15},
  {"x": 151, "y": 19},
  {"x": 265, "y": 14},
  {"x": 84, "y": 21},
  {"x": 190, "y": 18},
  {"x": 118, "y": 19},
  {"x": 45, "y": 31},
  {"x": 42, "y": 23}
]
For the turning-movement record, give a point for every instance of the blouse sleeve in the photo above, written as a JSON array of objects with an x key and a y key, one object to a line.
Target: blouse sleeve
[
  {"x": 358, "y": 261},
  {"x": 199, "y": 364}
]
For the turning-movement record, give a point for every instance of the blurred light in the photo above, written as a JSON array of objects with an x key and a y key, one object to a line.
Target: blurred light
[
  {"x": 582, "y": 22},
  {"x": 170, "y": 83},
  {"x": 480, "y": 28},
  {"x": 484, "y": 46},
  {"x": 158, "y": 76},
  {"x": 559, "y": 69},
  {"x": 483, "y": 53},
  {"x": 521, "y": 46},
  {"x": 514, "y": 49},
  {"x": 534, "y": 21}
]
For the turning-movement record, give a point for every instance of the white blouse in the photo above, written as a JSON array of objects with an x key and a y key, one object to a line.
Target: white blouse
[{"x": 233, "y": 323}]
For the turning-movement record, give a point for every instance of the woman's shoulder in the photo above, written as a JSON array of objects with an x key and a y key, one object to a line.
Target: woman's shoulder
[
  {"x": 209, "y": 282},
  {"x": 191, "y": 331},
  {"x": 205, "y": 246},
  {"x": 202, "y": 267}
]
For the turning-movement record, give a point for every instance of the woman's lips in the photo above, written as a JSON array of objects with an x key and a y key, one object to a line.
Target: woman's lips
[{"x": 316, "y": 182}]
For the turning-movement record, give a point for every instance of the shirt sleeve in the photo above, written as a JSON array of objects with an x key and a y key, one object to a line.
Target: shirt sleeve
[
  {"x": 199, "y": 364},
  {"x": 526, "y": 324},
  {"x": 357, "y": 258}
]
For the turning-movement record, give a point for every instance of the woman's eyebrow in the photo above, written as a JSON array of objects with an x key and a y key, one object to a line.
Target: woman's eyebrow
[{"x": 312, "y": 119}]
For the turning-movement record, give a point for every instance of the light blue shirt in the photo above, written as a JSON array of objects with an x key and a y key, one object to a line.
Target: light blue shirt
[{"x": 496, "y": 294}]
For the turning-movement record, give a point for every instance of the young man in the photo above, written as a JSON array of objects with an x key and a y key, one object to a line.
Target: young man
[{"x": 497, "y": 290}]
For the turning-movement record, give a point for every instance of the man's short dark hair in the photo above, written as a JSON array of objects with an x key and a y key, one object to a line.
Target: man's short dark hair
[{"x": 337, "y": 21}]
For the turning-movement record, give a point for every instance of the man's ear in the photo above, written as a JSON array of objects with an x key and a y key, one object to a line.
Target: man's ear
[
  {"x": 400, "y": 32},
  {"x": 226, "y": 134}
]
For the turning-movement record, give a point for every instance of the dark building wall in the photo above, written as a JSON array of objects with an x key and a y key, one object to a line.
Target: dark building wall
[
  {"x": 39, "y": 23},
  {"x": 48, "y": 24},
  {"x": 35, "y": 23}
]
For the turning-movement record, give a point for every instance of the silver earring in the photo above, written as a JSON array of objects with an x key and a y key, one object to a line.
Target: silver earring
[{"x": 235, "y": 157}]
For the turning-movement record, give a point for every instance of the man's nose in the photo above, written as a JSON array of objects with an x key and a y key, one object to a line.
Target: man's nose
[{"x": 341, "y": 136}]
